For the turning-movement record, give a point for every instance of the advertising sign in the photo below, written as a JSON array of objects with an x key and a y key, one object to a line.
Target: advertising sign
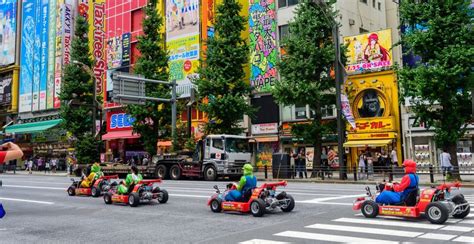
[
  {"x": 126, "y": 49},
  {"x": 59, "y": 52},
  {"x": 119, "y": 121},
  {"x": 6, "y": 89},
  {"x": 67, "y": 42},
  {"x": 269, "y": 128},
  {"x": 346, "y": 110},
  {"x": 37, "y": 56},
  {"x": 114, "y": 52},
  {"x": 184, "y": 57},
  {"x": 8, "y": 9},
  {"x": 369, "y": 52},
  {"x": 263, "y": 48},
  {"x": 44, "y": 24},
  {"x": 51, "y": 54},
  {"x": 27, "y": 55}
]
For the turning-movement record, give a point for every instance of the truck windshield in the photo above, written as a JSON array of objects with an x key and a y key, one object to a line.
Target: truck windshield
[{"x": 236, "y": 145}]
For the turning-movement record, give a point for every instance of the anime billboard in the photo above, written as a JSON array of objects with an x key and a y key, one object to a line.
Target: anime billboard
[{"x": 7, "y": 31}]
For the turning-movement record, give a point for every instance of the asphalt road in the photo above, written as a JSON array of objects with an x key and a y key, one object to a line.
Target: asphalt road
[{"x": 39, "y": 210}]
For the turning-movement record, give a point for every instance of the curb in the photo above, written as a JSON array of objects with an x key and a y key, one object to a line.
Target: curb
[{"x": 39, "y": 175}]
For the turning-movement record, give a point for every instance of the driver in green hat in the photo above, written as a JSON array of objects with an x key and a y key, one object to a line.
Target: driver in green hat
[{"x": 247, "y": 182}]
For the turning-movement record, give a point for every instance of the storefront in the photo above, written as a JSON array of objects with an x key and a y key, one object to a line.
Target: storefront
[{"x": 266, "y": 143}]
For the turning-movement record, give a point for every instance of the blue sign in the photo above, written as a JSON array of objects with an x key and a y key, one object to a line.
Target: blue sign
[
  {"x": 121, "y": 121},
  {"x": 8, "y": 31},
  {"x": 44, "y": 23},
  {"x": 27, "y": 55}
]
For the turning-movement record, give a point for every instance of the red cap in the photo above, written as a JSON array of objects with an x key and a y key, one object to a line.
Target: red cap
[{"x": 410, "y": 166}]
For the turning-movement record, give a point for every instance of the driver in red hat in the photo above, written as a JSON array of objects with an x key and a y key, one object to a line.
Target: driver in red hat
[{"x": 397, "y": 192}]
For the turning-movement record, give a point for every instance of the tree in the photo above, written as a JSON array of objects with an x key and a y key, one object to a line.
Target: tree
[
  {"x": 152, "y": 120},
  {"x": 221, "y": 76},
  {"x": 77, "y": 97},
  {"x": 440, "y": 84},
  {"x": 305, "y": 70}
]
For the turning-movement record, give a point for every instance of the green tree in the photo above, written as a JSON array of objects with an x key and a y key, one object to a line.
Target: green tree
[
  {"x": 152, "y": 120},
  {"x": 439, "y": 86},
  {"x": 77, "y": 97},
  {"x": 305, "y": 70},
  {"x": 221, "y": 76}
]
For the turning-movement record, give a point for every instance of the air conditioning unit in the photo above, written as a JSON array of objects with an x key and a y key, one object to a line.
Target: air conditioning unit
[{"x": 351, "y": 22}]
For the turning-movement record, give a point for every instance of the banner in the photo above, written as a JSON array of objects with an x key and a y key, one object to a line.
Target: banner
[
  {"x": 27, "y": 55},
  {"x": 51, "y": 55},
  {"x": 184, "y": 57},
  {"x": 263, "y": 48},
  {"x": 67, "y": 42},
  {"x": 58, "y": 67},
  {"x": 369, "y": 52},
  {"x": 126, "y": 37},
  {"x": 8, "y": 9},
  {"x": 6, "y": 89},
  {"x": 346, "y": 110},
  {"x": 114, "y": 52},
  {"x": 44, "y": 34},
  {"x": 37, "y": 57}
]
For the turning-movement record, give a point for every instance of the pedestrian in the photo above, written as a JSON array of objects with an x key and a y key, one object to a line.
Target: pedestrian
[
  {"x": 47, "y": 166},
  {"x": 302, "y": 164},
  {"x": 54, "y": 164},
  {"x": 362, "y": 159},
  {"x": 385, "y": 163},
  {"x": 145, "y": 160},
  {"x": 370, "y": 167},
  {"x": 446, "y": 165},
  {"x": 393, "y": 157},
  {"x": 40, "y": 163},
  {"x": 30, "y": 165}
]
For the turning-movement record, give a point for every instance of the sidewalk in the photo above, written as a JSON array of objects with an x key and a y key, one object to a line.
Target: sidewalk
[{"x": 36, "y": 173}]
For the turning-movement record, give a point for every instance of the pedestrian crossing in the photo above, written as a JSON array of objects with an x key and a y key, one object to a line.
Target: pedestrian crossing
[{"x": 359, "y": 229}]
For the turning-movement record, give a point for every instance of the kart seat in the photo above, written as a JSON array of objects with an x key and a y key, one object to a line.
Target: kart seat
[
  {"x": 411, "y": 199},
  {"x": 130, "y": 188},
  {"x": 247, "y": 194}
]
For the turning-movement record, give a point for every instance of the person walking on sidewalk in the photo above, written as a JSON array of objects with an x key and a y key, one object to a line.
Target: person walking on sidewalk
[
  {"x": 362, "y": 159},
  {"x": 54, "y": 164},
  {"x": 29, "y": 164},
  {"x": 446, "y": 165},
  {"x": 47, "y": 166},
  {"x": 393, "y": 157},
  {"x": 301, "y": 164}
]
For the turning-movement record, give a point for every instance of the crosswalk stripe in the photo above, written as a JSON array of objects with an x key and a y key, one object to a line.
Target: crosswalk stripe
[
  {"x": 468, "y": 239},
  {"x": 453, "y": 221},
  {"x": 261, "y": 241},
  {"x": 434, "y": 236},
  {"x": 331, "y": 238},
  {"x": 407, "y": 224},
  {"x": 468, "y": 221},
  {"x": 458, "y": 228},
  {"x": 376, "y": 231}
]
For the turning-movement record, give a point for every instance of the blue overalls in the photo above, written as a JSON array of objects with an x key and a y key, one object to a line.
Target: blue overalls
[
  {"x": 391, "y": 197},
  {"x": 236, "y": 195}
]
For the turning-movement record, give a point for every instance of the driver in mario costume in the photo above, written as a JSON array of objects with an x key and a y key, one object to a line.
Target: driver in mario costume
[
  {"x": 397, "y": 192},
  {"x": 8, "y": 151}
]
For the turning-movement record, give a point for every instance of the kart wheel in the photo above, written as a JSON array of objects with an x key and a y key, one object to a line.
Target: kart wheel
[
  {"x": 95, "y": 192},
  {"x": 163, "y": 197},
  {"x": 161, "y": 171},
  {"x": 370, "y": 209},
  {"x": 175, "y": 172},
  {"x": 71, "y": 191},
  {"x": 291, "y": 204},
  {"x": 437, "y": 213},
  {"x": 459, "y": 199},
  {"x": 216, "y": 205},
  {"x": 108, "y": 198},
  {"x": 133, "y": 199},
  {"x": 210, "y": 173},
  {"x": 257, "y": 207}
]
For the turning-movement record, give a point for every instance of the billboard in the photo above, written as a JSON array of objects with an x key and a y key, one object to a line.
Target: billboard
[
  {"x": 58, "y": 66},
  {"x": 369, "y": 52},
  {"x": 37, "y": 57},
  {"x": 6, "y": 89},
  {"x": 182, "y": 38},
  {"x": 51, "y": 55},
  {"x": 27, "y": 55},
  {"x": 8, "y": 13},
  {"x": 44, "y": 34},
  {"x": 118, "y": 51},
  {"x": 263, "y": 48}
]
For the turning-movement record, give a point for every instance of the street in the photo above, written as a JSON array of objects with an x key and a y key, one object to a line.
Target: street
[{"x": 39, "y": 210}]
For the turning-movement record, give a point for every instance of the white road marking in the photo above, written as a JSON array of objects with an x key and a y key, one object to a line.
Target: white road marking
[
  {"x": 458, "y": 228},
  {"x": 468, "y": 239},
  {"x": 325, "y": 203},
  {"x": 389, "y": 223},
  {"x": 453, "y": 221},
  {"x": 192, "y": 196},
  {"x": 323, "y": 199},
  {"x": 261, "y": 241},
  {"x": 25, "y": 200},
  {"x": 37, "y": 187},
  {"x": 468, "y": 221},
  {"x": 331, "y": 238},
  {"x": 434, "y": 236},
  {"x": 376, "y": 231}
]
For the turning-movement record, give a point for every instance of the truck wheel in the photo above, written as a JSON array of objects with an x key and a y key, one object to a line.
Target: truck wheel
[
  {"x": 133, "y": 199},
  {"x": 216, "y": 205},
  {"x": 290, "y": 206},
  {"x": 459, "y": 199},
  {"x": 437, "y": 213},
  {"x": 257, "y": 207},
  {"x": 161, "y": 171},
  {"x": 175, "y": 172},
  {"x": 370, "y": 209},
  {"x": 163, "y": 197},
  {"x": 95, "y": 192},
  {"x": 108, "y": 198},
  {"x": 210, "y": 173},
  {"x": 71, "y": 191}
]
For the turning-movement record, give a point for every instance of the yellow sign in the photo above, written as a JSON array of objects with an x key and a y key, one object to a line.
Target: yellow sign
[
  {"x": 369, "y": 52},
  {"x": 373, "y": 125},
  {"x": 365, "y": 136},
  {"x": 184, "y": 57}
]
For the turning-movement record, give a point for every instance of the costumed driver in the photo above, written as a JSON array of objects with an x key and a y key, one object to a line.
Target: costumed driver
[
  {"x": 398, "y": 192},
  {"x": 132, "y": 179},
  {"x": 93, "y": 173},
  {"x": 247, "y": 182}
]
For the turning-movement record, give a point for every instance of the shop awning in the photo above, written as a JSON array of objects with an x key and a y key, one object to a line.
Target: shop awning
[
  {"x": 125, "y": 134},
  {"x": 367, "y": 143},
  {"x": 32, "y": 127},
  {"x": 164, "y": 144},
  {"x": 266, "y": 139}
]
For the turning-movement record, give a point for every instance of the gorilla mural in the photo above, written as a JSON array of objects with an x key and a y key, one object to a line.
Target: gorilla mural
[{"x": 370, "y": 105}]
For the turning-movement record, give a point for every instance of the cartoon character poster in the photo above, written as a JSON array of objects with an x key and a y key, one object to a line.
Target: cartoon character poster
[
  {"x": 7, "y": 31},
  {"x": 369, "y": 52}
]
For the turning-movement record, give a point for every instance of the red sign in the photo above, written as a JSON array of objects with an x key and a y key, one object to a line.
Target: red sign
[
  {"x": 373, "y": 125},
  {"x": 119, "y": 121},
  {"x": 187, "y": 65}
]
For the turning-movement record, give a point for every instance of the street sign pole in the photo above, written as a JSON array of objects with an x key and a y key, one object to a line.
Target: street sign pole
[{"x": 173, "y": 111}]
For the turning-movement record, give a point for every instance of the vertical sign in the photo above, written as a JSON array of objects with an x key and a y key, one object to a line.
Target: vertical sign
[
  {"x": 27, "y": 55},
  {"x": 37, "y": 57},
  {"x": 96, "y": 19},
  {"x": 126, "y": 49},
  {"x": 8, "y": 31},
  {"x": 6, "y": 89},
  {"x": 58, "y": 67},
  {"x": 67, "y": 34},
  {"x": 263, "y": 50},
  {"x": 44, "y": 23},
  {"x": 51, "y": 55}
]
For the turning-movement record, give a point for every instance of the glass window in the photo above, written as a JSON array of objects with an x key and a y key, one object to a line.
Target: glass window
[
  {"x": 236, "y": 145},
  {"x": 328, "y": 111},
  {"x": 300, "y": 112},
  {"x": 286, "y": 3},
  {"x": 380, "y": 5},
  {"x": 286, "y": 113},
  {"x": 292, "y": 2},
  {"x": 282, "y": 3},
  {"x": 283, "y": 32},
  {"x": 363, "y": 1},
  {"x": 217, "y": 143}
]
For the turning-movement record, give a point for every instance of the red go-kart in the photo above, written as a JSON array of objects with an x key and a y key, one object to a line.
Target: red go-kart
[
  {"x": 98, "y": 187},
  {"x": 435, "y": 203},
  {"x": 143, "y": 191},
  {"x": 257, "y": 201}
]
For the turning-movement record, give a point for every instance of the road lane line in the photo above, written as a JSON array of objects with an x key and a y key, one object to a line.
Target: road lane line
[
  {"x": 37, "y": 187},
  {"x": 323, "y": 199},
  {"x": 458, "y": 228},
  {"x": 375, "y": 231},
  {"x": 468, "y": 239},
  {"x": 186, "y": 195},
  {"x": 325, "y": 203},
  {"x": 387, "y": 222},
  {"x": 25, "y": 200},
  {"x": 261, "y": 241},
  {"x": 433, "y": 236},
  {"x": 331, "y": 238}
]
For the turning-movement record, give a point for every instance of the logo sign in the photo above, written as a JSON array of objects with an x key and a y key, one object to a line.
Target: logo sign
[
  {"x": 119, "y": 121},
  {"x": 270, "y": 128},
  {"x": 126, "y": 49}
]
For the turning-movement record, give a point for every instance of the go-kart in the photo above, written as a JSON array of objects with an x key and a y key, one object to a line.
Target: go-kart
[
  {"x": 140, "y": 192},
  {"x": 99, "y": 186},
  {"x": 435, "y": 203},
  {"x": 257, "y": 201}
]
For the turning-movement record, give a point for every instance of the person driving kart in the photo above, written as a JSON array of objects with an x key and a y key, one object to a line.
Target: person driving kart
[
  {"x": 131, "y": 179},
  {"x": 247, "y": 182},
  {"x": 398, "y": 192},
  {"x": 93, "y": 173}
]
